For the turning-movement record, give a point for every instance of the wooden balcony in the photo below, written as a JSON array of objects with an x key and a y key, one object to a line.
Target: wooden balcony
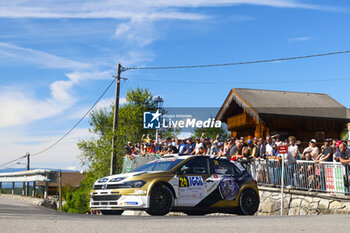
[{"x": 239, "y": 121}]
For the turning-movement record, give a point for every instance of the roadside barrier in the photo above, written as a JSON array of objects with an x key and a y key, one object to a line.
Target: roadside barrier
[{"x": 328, "y": 177}]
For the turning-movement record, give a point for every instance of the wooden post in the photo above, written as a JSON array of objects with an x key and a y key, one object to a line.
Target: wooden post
[
  {"x": 34, "y": 187},
  {"x": 60, "y": 189}
]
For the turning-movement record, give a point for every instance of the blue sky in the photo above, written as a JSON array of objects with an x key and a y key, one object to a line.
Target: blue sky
[{"x": 56, "y": 58}]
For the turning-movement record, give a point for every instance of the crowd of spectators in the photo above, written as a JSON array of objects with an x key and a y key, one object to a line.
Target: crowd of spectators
[{"x": 241, "y": 149}]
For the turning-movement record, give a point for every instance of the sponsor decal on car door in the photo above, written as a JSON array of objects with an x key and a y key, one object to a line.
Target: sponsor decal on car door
[{"x": 191, "y": 190}]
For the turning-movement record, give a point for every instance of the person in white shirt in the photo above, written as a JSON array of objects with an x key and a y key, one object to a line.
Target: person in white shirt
[
  {"x": 312, "y": 149},
  {"x": 291, "y": 159}
]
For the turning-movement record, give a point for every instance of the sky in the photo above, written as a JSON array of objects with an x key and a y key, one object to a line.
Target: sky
[{"x": 58, "y": 56}]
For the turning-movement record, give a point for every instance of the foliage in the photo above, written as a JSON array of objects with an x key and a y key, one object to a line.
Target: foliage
[
  {"x": 96, "y": 151},
  {"x": 211, "y": 132}
]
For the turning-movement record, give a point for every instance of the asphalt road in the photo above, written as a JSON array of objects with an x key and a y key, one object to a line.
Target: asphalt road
[{"x": 17, "y": 216}]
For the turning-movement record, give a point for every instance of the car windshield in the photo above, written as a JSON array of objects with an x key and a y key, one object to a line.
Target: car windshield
[{"x": 159, "y": 165}]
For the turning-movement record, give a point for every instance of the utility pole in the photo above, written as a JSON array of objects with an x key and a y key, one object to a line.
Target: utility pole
[
  {"x": 28, "y": 168},
  {"x": 115, "y": 121},
  {"x": 60, "y": 189}
]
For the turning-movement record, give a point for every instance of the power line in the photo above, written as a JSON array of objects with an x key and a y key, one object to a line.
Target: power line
[
  {"x": 12, "y": 161},
  {"x": 76, "y": 124},
  {"x": 249, "y": 82},
  {"x": 235, "y": 63}
]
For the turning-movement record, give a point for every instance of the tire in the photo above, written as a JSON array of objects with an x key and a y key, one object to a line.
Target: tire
[
  {"x": 112, "y": 212},
  {"x": 248, "y": 202},
  {"x": 161, "y": 200}
]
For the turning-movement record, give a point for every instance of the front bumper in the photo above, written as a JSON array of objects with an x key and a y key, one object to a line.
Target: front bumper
[{"x": 110, "y": 200}]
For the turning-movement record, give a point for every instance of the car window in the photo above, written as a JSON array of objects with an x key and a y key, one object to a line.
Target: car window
[
  {"x": 223, "y": 166},
  {"x": 198, "y": 165}
]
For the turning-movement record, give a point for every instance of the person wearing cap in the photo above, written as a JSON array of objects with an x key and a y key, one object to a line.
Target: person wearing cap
[
  {"x": 312, "y": 149},
  {"x": 191, "y": 150},
  {"x": 326, "y": 154},
  {"x": 251, "y": 149},
  {"x": 198, "y": 145},
  {"x": 343, "y": 156},
  {"x": 183, "y": 147}
]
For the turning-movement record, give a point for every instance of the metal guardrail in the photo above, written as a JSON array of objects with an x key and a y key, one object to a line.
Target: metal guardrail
[{"x": 328, "y": 177}]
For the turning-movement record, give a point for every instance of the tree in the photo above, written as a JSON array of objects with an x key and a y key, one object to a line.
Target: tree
[
  {"x": 96, "y": 151},
  {"x": 211, "y": 132}
]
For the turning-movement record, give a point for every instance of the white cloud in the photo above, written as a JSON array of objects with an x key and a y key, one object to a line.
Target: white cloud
[
  {"x": 135, "y": 9},
  {"x": 302, "y": 38},
  {"x": 38, "y": 57},
  {"x": 65, "y": 154},
  {"x": 137, "y": 31}
]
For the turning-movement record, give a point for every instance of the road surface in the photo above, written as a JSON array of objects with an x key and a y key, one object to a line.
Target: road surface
[{"x": 17, "y": 216}]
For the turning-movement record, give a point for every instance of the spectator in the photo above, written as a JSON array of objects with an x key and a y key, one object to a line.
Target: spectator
[
  {"x": 183, "y": 147},
  {"x": 349, "y": 143},
  {"x": 291, "y": 159},
  {"x": 344, "y": 157},
  {"x": 214, "y": 150},
  {"x": 157, "y": 148},
  {"x": 201, "y": 151},
  {"x": 277, "y": 139},
  {"x": 236, "y": 152},
  {"x": 261, "y": 149},
  {"x": 191, "y": 147},
  {"x": 160, "y": 139},
  {"x": 251, "y": 149},
  {"x": 269, "y": 145},
  {"x": 273, "y": 164},
  {"x": 312, "y": 149},
  {"x": 255, "y": 142},
  {"x": 327, "y": 152},
  {"x": 198, "y": 145}
]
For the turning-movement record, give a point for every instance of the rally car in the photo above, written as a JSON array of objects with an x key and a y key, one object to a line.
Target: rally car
[{"x": 195, "y": 185}]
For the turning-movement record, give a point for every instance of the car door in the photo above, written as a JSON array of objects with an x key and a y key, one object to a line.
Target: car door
[{"x": 192, "y": 176}]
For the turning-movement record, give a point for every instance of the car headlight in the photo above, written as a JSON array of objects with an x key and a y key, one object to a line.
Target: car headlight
[
  {"x": 102, "y": 180},
  {"x": 117, "y": 179},
  {"x": 133, "y": 184}
]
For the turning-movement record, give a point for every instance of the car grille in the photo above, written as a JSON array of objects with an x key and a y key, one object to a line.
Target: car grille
[
  {"x": 117, "y": 186},
  {"x": 97, "y": 187},
  {"x": 106, "y": 197}
]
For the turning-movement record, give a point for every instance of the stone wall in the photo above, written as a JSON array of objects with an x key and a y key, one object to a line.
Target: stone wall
[{"x": 301, "y": 202}]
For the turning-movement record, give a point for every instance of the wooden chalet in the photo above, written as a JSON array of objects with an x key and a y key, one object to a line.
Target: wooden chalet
[{"x": 258, "y": 113}]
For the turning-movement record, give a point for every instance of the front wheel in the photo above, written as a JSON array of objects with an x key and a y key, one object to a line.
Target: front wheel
[
  {"x": 161, "y": 200},
  {"x": 248, "y": 202},
  {"x": 112, "y": 212}
]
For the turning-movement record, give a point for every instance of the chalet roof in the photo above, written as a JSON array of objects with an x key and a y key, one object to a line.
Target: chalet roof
[{"x": 266, "y": 102}]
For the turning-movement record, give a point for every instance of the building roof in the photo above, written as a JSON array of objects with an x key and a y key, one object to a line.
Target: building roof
[
  {"x": 69, "y": 179},
  {"x": 266, "y": 102}
]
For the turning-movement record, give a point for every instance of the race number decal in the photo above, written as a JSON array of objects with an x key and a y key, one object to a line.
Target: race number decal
[
  {"x": 190, "y": 181},
  {"x": 228, "y": 188},
  {"x": 183, "y": 182}
]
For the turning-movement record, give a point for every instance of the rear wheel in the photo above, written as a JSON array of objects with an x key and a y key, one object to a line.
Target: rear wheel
[
  {"x": 161, "y": 200},
  {"x": 112, "y": 212},
  {"x": 249, "y": 202}
]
